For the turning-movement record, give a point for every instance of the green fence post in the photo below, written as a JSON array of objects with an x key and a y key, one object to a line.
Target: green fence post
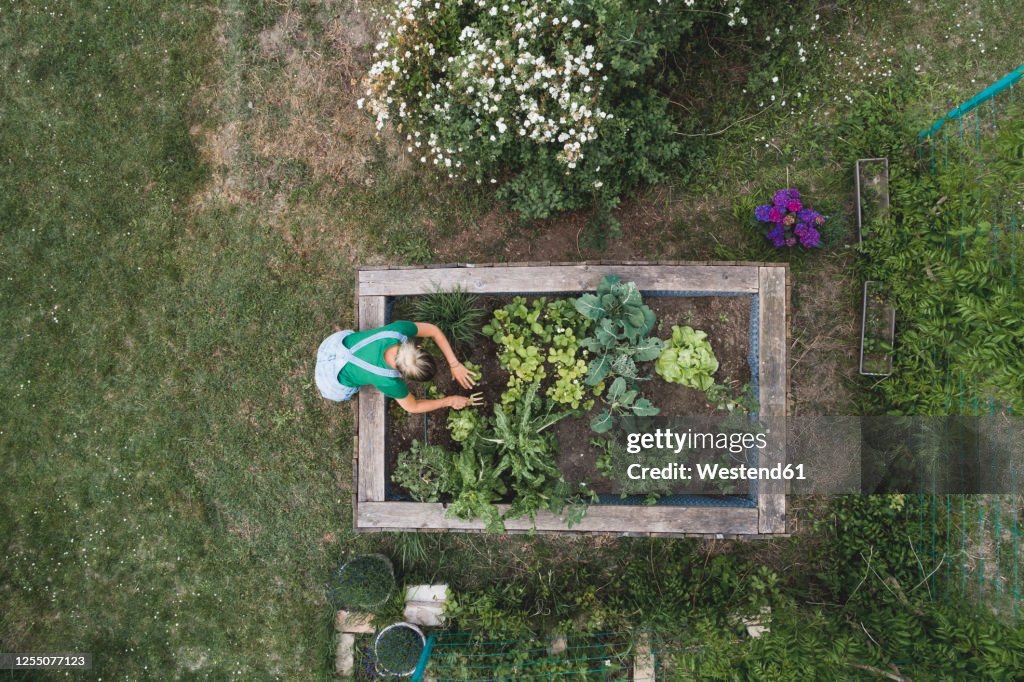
[{"x": 421, "y": 667}]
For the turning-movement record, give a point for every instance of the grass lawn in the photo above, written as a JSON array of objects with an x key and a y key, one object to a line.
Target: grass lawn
[{"x": 186, "y": 190}]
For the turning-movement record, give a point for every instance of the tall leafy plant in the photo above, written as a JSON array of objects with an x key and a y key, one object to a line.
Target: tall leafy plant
[
  {"x": 477, "y": 486},
  {"x": 526, "y": 455}
]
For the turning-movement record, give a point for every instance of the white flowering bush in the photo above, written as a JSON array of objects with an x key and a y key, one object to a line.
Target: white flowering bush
[{"x": 553, "y": 101}]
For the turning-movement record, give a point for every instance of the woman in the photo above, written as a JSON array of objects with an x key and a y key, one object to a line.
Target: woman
[{"x": 386, "y": 357}]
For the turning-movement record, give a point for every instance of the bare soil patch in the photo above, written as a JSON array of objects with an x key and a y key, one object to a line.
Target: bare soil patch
[
  {"x": 657, "y": 225},
  {"x": 825, "y": 338}
]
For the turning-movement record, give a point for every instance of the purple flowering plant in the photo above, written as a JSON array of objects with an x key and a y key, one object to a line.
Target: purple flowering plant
[{"x": 791, "y": 223}]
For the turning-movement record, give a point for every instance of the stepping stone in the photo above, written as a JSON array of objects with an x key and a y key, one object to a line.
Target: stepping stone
[
  {"x": 643, "y": 660},
  {"x": 346, "y": 621},
  {"x": 424, "y": 604},
  {"x": 427, "y": 615},
  {"x": 426, "y": 593},
  {"x": 344, "y": 659},
  {"x": 756, "y": 626}
]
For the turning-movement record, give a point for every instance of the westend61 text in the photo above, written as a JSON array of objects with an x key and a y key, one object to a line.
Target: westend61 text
[{"x": 716, "y": 472}]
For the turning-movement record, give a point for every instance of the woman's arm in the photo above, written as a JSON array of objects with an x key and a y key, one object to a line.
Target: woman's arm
[
  {"x": 459, "y": 372},
  {"x": 410, "y": 404}
]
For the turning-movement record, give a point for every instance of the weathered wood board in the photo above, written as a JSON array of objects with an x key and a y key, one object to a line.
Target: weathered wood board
[
  {"x": 567, "y": 278},
  {"x": 371, "y": 415},
  {"x": 603, "y": 518},
  {"x": 772, "y": 378}
]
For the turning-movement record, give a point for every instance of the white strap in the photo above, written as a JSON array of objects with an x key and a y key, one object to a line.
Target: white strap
[{"x": 348, "y": 354}]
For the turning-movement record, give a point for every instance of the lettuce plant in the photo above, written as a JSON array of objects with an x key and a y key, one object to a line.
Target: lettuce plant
[
  {"x": 688, "y": 359},
  {"x": 538, "y": 340}
]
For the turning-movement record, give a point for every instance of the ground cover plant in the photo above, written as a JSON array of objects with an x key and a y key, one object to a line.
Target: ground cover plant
[
  {"x": 949, "y": 273},
  {"x": 186, "y": 192}
]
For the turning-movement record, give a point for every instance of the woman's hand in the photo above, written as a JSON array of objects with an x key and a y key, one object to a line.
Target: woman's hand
[
  {"x": 457, "y": 402},
  {"x": 462, "y": 375}
]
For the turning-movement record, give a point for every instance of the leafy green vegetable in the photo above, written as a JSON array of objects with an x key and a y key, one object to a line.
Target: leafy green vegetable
[
  {"x": 526, "y": 454},
  {"x": 425, "y": 471},
  {"x": 623, "y": 323},
  {"x": 621, "y": 400},
  {"x": 688, "y": 360},
  {"x": 619, "y": 341},
  {"x": 539, "y": 340},
  {"x": 476, "y": 487}
]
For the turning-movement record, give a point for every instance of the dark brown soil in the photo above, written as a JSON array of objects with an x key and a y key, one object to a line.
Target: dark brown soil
[
  {"x": 576, "y": 457},
  {"x": 726, "y": 319}
]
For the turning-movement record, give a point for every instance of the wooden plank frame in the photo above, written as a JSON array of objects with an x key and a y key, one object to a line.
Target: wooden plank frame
[{"x": 768, "y": 282}]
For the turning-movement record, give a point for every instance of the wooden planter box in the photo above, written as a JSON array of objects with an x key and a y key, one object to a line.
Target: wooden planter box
[
  {"x": 872, "y": 181},
  {"x": 878, "y": 323},
  {"x": 767, "y": 282}
]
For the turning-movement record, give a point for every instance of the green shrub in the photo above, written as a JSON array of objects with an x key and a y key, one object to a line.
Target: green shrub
[
  {"x": 362, "y": 583},
  {"x": 554, "y": 100},
  {"x": 688, "y": 359},
  {"x": 456, "y": 312}
]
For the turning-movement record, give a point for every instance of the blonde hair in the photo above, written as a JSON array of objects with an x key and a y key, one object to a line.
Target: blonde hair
[{"x": 414, "y": 363}]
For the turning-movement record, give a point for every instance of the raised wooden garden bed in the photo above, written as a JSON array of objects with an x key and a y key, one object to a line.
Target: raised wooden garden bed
[{"x": 764, "y": 285}]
